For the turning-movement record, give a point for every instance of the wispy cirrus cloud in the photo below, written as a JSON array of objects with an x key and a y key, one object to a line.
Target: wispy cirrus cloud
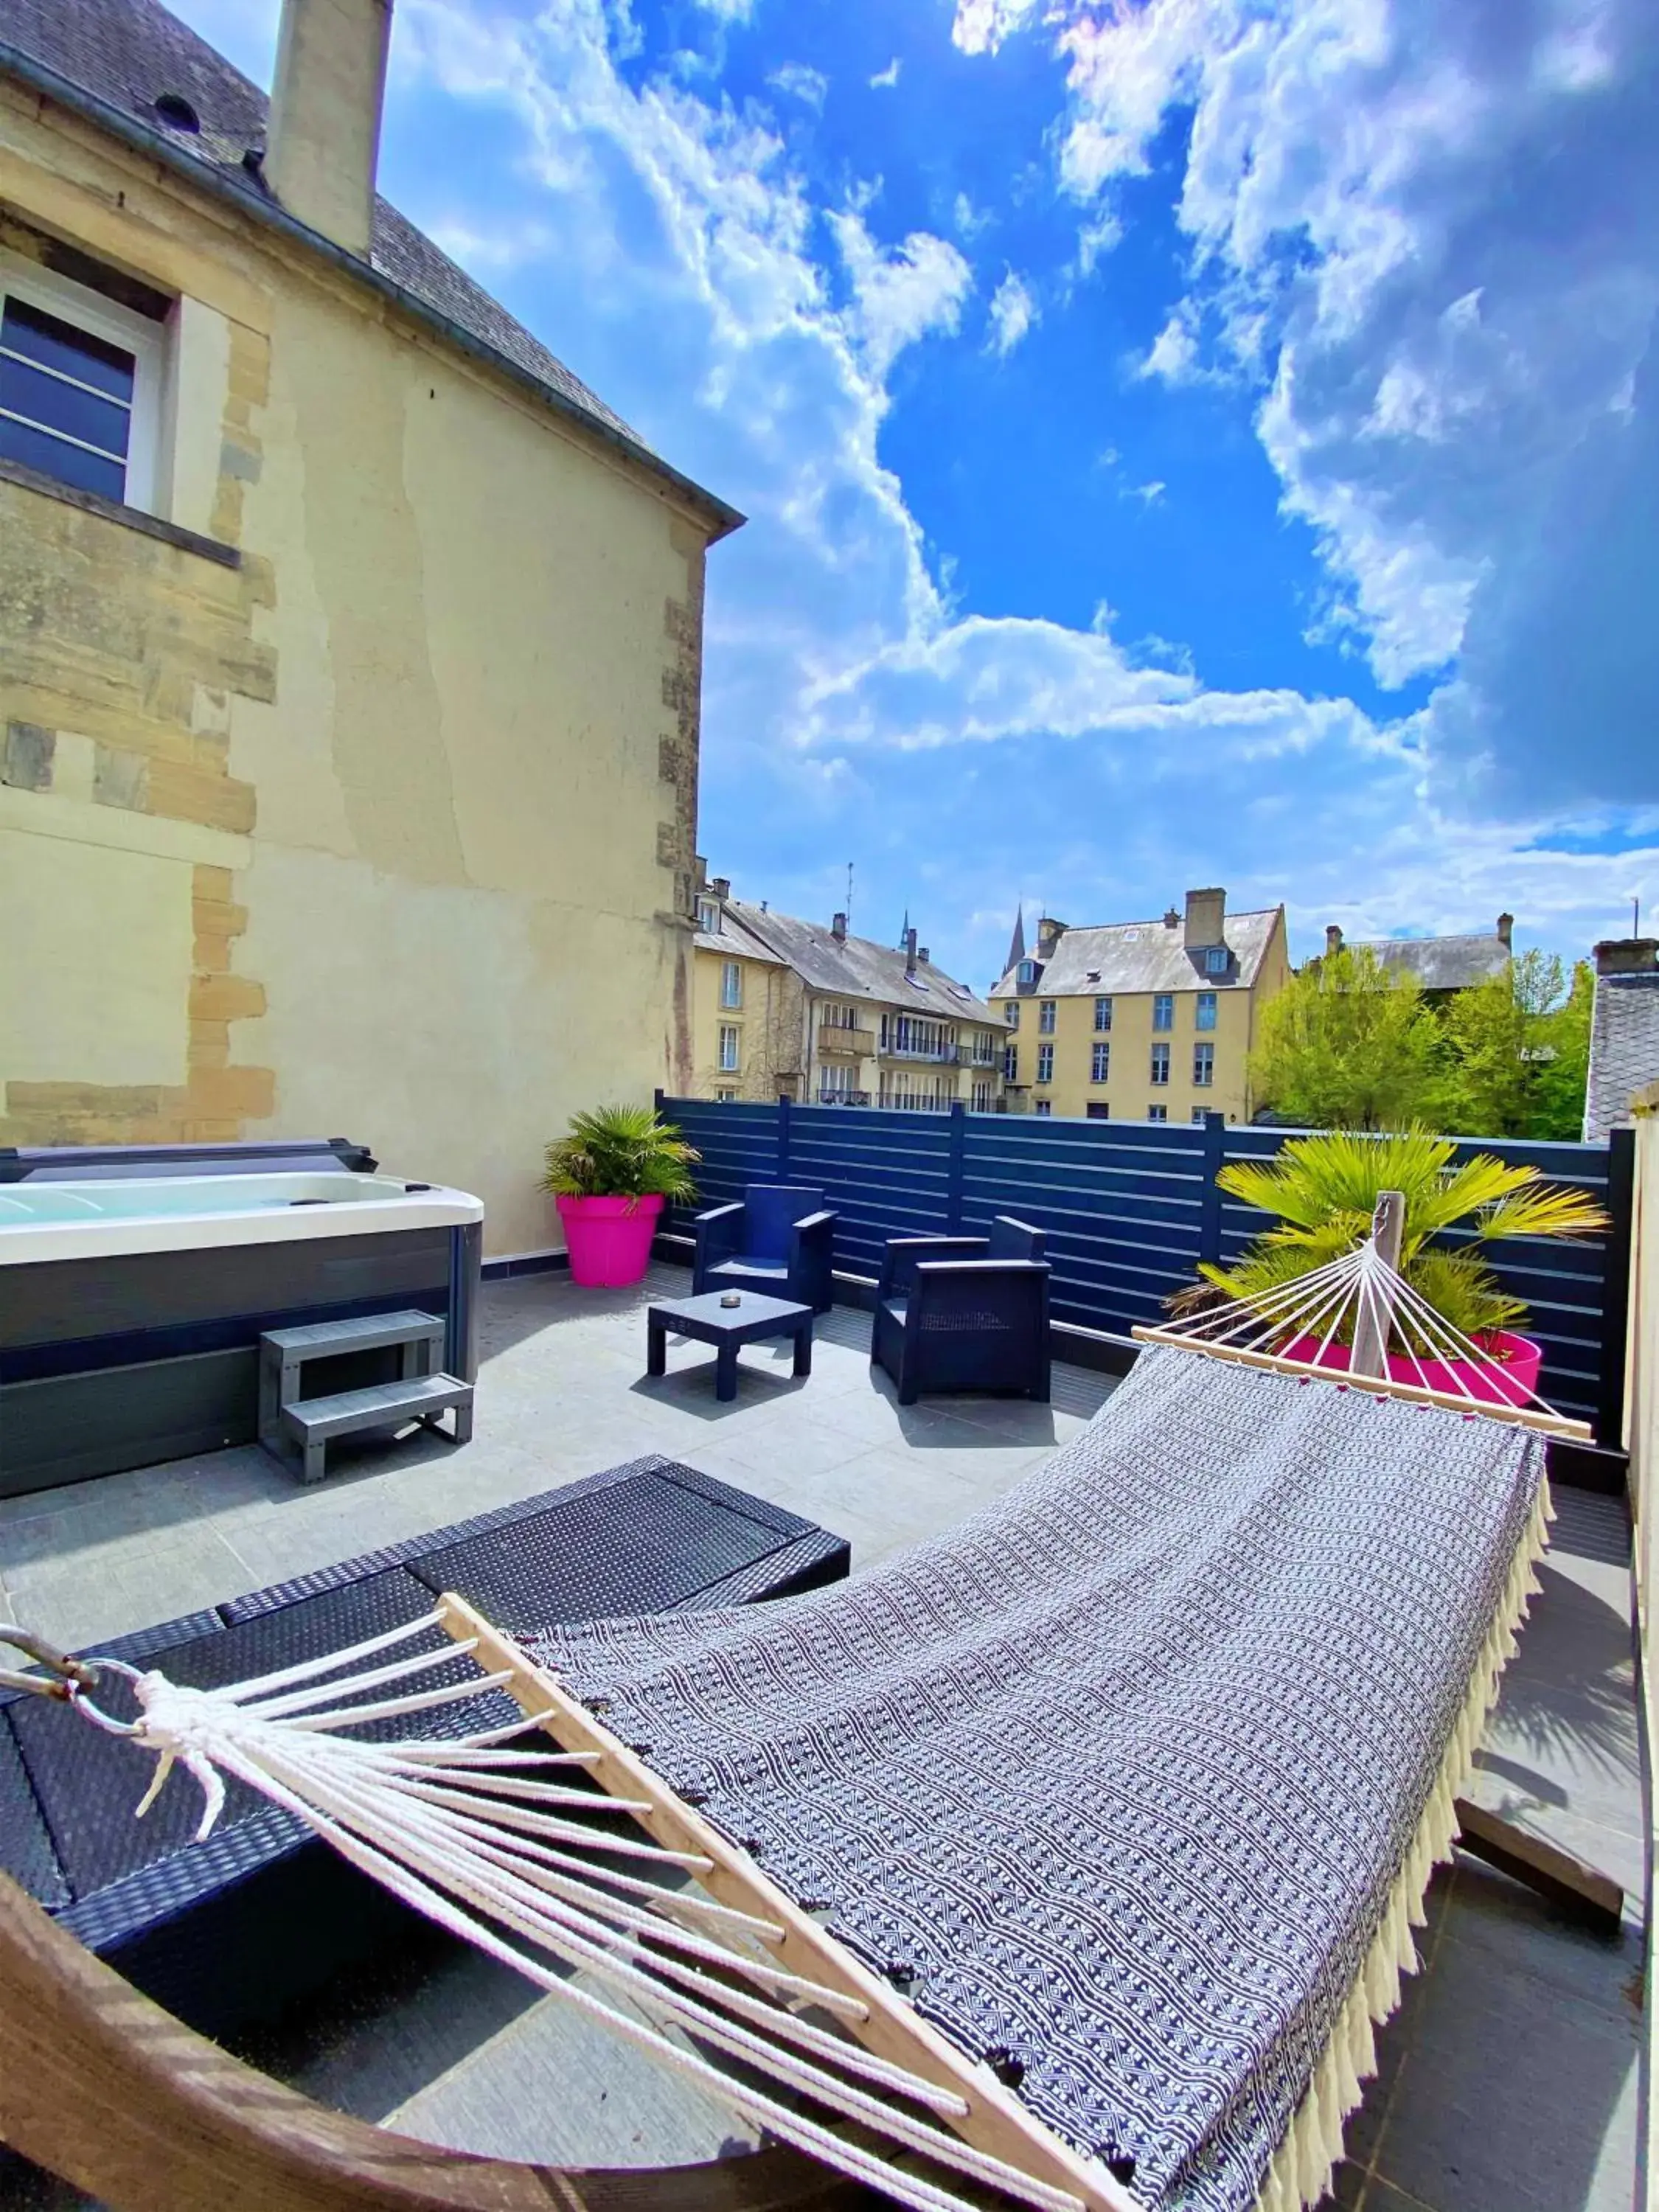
[
  {"x": 1012, "y": 311},
  {"x": 809, "y": 86}
]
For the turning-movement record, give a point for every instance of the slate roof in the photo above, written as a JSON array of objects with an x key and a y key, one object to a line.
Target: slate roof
[
  {"x": 1439, "y": 963},
  {"x": 126, "y": 54},
  {"x": 1146, "y": 956},
  {"x": 857, "y": 967},
  {"x": 732, "y": 941},
  {"x": 1624, "y": 1048}
]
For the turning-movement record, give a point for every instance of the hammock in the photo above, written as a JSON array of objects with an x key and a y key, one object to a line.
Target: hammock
[{"x": 1072, "y": 1855}]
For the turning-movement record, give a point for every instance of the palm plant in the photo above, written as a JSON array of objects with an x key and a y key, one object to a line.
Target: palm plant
[
  {"x": 621, "y": 1151},
  {"x": 1324, "y": 1189}
]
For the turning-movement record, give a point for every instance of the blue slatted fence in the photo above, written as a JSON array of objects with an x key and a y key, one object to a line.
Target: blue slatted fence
[{"x": 1130, "y": 1209}]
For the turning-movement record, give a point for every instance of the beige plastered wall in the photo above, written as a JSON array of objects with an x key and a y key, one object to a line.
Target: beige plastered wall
[
  {"x": 768, "y": 1022},
  {"x": 386, "y": 830}
]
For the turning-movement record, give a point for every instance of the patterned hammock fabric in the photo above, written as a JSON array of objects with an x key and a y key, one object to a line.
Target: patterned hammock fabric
[{"x": 1123, "y": 1776}]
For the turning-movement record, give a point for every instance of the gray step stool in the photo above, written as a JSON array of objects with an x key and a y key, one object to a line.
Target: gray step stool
[{"x": 297, "y": 1429}]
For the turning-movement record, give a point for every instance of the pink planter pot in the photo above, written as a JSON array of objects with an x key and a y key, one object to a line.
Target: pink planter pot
[
  {"x": 609, "y": 1238},
  {"x": 1520, "y": 1358}
]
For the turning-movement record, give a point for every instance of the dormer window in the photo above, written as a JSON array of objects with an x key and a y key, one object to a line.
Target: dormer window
[
  {"x": 1215, "y": 960},
  {"x": 1026, "y": 972},
  {"x": 708, "y": 917}
]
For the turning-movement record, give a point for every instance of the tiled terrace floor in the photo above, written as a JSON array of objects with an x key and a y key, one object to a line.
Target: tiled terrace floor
[{"x": 1508, "y": 2080}]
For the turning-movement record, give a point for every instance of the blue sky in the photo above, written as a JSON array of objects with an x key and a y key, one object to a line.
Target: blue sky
[{"x": 1185, "y": 441}]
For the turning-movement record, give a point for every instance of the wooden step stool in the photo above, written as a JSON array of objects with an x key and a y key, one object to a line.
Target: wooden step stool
[{"x": 296, "y": 1430}]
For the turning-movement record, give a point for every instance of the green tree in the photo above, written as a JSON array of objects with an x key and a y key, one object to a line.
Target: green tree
[
  {"x": 1519, "y": 1052},
  {"x": 1350, "y": 1044}
]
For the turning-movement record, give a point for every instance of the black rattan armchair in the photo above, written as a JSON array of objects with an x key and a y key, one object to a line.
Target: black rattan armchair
[
  {"x": 965, "y": 1313},
  {"x": 778, "y": 1239}
]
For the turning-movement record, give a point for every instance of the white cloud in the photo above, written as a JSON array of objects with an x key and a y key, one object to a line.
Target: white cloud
[
  {"x": 980, "y": 26},
  {"x": 1013, "y": 310},
  {"x": 967, "y": 219},
  {"x": 1173, "y": 356},
  {"x": 1427, "y": 231},
  {"x": 900, "y": 294},
  {"x": 809, "y": 86},
  {"x": 1150, "y": 493},
  {"x": 884, "y": 80}
]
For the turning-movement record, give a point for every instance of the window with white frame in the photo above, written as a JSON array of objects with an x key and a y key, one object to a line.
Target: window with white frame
[
  {"x": 1011, "y": 1013},
  {"x": 731, "y": 983},
  {"x": 1100, "y": 1064},
  {"x": 1199, "y": 1113},
  {"x": 1203, "y": 1066},
  {"x": 1103, "y": 1013},
  {"x": 1010, "y": 1063},
  {"x": 1027, "y": 971},
  {"x": 726, "y": 1095},
  {"x": 1047, "y": 1010},
  {"x": 1045, "y": 1063},
  {"x": 730, "y": 1046},
  {"x": 1158, "y": 1113},
  {"x": 1160, "y": 1063},
  {"x": 1045, "y": 1106},
  {"x": 1216, "y": 959},
  {"x": 1204, "y": 1010},
  {"x": 1163, "y": 1010},
  {"x": 708, "y": 917},
  {"x": 80, "y": 385}
]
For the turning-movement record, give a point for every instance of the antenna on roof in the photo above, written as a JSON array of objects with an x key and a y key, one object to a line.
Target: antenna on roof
[
  {"x": 1636, "y": 917},
  {"x": 849, "y": 895}
]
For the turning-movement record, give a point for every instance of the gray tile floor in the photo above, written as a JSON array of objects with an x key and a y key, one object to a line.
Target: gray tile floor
[{"x": 1507, "y": 2078}]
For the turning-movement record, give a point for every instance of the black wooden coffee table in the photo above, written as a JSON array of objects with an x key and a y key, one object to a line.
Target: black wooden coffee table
[{"x": 710, "y": 1320}]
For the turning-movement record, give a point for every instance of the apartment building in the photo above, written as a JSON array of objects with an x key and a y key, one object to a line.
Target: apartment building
[
  {"x": 1147, "y": 1021},
  {"x": 788, "y": 1008}
]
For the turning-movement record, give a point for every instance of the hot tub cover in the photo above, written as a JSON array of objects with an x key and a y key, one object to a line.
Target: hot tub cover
[{"x": 1132, "y": 1776}]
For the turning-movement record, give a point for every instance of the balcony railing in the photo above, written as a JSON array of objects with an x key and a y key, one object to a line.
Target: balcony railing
[
  {"x": 843, "y": 1098},
  {"x": 840, "y": 1037},
  {"x": 937, "y": 1055}
]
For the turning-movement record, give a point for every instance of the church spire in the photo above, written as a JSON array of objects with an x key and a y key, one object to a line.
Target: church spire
[{"x": 1017, "y": 942}]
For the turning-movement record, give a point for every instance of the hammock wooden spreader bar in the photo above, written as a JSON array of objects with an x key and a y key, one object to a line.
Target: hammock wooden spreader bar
[
  {"x": 981, "y": 2113},
  {"x": 489, "y": 1841}
]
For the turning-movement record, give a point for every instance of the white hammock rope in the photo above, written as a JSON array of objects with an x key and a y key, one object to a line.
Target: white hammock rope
[
  {"x": 465, "y": 1833},
  {"x": 1332, "y": 1300}
]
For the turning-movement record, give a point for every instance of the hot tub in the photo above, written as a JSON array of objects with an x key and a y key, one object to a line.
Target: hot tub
[{"x": 135, "y": 1285}]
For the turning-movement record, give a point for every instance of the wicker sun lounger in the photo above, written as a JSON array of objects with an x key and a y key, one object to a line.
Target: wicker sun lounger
[{"x": 222, "y": 1931}]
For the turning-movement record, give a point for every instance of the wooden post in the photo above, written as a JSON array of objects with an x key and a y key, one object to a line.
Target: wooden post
[{"x": 1371, "y": 1329}]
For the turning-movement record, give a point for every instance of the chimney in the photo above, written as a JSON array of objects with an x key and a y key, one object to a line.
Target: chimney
[
  {"x": 1332, "y": 936},
  {"x": 1049, "y": 933},
  {"x": 909, "y": 952},
  {"x": 838, "y": 928},
  {"x": 1506, "y": 928},
  {"x": 324, "y": 130},
  {"x": 1206, "y": 912},
  {"x": 1627, "y": 956},
  {"x": 1171, "y": 918},
  {"x": 722, "y": 887}
]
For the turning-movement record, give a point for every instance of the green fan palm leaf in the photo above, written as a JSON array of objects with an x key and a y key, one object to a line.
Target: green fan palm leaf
[
  {"x": 1324, "y": 1189},
  {"x": 621, "y": 1151}
]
